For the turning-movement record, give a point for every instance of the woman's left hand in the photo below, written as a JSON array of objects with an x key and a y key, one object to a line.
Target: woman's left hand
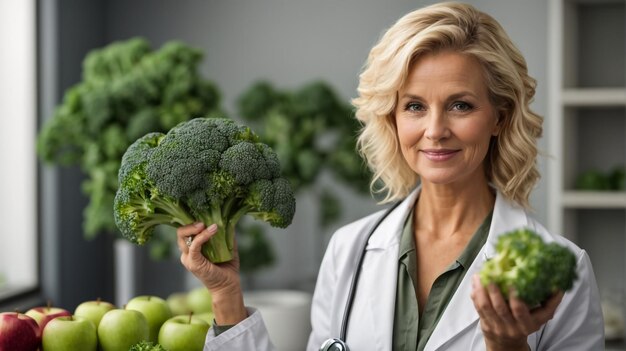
[{"x": 507, "y": 326}]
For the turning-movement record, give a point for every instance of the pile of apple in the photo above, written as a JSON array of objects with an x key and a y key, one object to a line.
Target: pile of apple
[{"x": 178, "y": 323}]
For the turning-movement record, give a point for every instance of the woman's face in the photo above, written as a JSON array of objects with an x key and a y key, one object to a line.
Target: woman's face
[{"x": 445, "y": 120}]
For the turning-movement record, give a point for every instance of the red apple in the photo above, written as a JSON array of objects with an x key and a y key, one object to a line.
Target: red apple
[
  {"x": 43, "y": 315},
  {"x": 18, "y": 332}
]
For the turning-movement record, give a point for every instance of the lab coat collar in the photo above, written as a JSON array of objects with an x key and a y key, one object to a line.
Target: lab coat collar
[
  {"x": 388, "y": 232},
  {"x": 507, "y": 216},
  {"x": 460, "y": 312}
]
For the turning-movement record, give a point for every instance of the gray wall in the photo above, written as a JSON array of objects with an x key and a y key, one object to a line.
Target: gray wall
[
  {"x": 73, "y": 270},
  {"x": 290, "y": 42}
]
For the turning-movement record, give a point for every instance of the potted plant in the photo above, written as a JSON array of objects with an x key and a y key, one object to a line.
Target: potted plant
[{"x": 127, "y": 90}]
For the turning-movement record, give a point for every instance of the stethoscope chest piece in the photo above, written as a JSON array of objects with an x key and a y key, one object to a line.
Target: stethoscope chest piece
[{"x": 334, "y": 345}]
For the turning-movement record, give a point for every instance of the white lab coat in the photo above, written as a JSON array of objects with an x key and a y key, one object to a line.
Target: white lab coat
[{"x": 577, "y": 324}]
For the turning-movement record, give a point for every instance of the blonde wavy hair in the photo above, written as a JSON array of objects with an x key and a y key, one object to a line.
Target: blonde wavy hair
[{"x": 511, "y": 160}]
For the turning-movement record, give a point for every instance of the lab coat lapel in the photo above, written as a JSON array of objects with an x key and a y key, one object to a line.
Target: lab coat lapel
[
  {"x": 374, "y": 301},
  {"x": 460, "y": 312}
]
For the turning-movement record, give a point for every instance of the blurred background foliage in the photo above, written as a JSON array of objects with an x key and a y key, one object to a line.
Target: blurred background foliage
[
  {"x": 312, "y": 131},
  {"x": 128, "y": 90}
]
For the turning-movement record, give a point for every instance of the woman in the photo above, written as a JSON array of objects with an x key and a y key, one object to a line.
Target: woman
[{"x": 447, "y": 129}]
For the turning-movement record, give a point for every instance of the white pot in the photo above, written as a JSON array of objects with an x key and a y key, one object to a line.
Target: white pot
[
  {"x": 125, "y": 271},
  {"x": 286, "y": 314}
]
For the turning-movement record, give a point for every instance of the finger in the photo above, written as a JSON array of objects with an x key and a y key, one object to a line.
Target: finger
[
  {"x": 488, "y": 321},
  {"x": 546, "y": 311},
  {"x": 185, "y": 231},
  {"x": 521, "y": 313},
  {"x": 481, "y": 300},
  {"x": 499, "y": 304},
  {"x": 195, "y": 250},
  {"x": 190, "y": 229}
]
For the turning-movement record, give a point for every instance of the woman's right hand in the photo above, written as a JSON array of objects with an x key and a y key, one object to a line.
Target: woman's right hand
[{"x": 222, "y": 279}]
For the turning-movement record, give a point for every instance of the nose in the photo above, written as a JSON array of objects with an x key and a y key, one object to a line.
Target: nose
[{"x": 436, "y": 126}]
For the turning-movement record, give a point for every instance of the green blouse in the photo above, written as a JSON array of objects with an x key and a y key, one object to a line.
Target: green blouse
[{"x": 410, "y": 332}]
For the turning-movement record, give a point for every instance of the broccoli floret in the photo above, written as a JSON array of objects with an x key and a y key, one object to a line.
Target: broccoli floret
[
  {"x": 207, "y": 169},
  {"x": 139, "y": 206},
  {"x": 535, "y": 270},
  {"x": 147, "y": 346}
]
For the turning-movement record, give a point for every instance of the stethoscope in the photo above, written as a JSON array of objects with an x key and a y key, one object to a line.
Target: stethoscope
[{"x": 338, "y": 344}]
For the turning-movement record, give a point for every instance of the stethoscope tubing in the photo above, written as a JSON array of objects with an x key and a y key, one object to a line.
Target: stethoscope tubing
[{"x": 340, "y": 344}]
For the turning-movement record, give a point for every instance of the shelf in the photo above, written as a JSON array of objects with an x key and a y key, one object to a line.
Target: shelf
[
  {"x": 594, "y": 97},
  {"x": 594, "y": 199}
]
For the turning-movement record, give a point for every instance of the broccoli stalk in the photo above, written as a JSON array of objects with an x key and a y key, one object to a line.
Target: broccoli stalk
[
  {"x": 209, "y": 170},
  {"x": 220, "y": 248},
  {"x": 535, "y": 270}
]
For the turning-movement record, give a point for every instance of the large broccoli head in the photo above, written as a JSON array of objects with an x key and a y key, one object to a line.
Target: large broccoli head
[
  {"x": 524, "y": 263},
  {"x": 209, "y": 170}
]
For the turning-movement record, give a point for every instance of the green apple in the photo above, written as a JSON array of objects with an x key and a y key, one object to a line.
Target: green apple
[
  {"x": 120, "y": 329},
  {"x": 177, "y": 303},
  {"x": 93, "y": 310},
  {"x": 18, "y": 332},
  {"x": 206, "y": 316},
  {"x": 183, "y": 333},
  {"x": 155, "y": 310},
  {"x": 43, "y": 315},
  {"x": 200, "y": 301},
  {"x": 70, "y": 333}
]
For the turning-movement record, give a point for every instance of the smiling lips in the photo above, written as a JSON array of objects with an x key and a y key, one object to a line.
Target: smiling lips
[{"x": 439, "y": 154}]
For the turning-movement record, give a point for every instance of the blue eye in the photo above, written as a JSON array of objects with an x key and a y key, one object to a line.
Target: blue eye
[
  {"x": 461, "y": 106},
  {"x": 414, "y": 106}
]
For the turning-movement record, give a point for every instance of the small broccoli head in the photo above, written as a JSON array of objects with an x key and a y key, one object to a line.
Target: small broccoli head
[
  {"x": 132, "y": 211},
  {"x": 147, "y": 346},
  {"x": 189, "y": 151},
  {"x": 137, "y": 154},
  {"x": 561, "y": 260},
  {"x": 533, "y": 269},
  {"x": 272, "y": 201},
  {"x": 246, "y": 162}
]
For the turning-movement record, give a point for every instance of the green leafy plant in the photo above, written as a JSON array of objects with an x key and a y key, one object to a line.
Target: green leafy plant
[
  {"x": 310, "y": 129},
  {"x": 595, "y": 180},
  {"x": 208, "y": 170},
  {"x": 312, "y": 132},
  {"x": 127, "y": 90}
]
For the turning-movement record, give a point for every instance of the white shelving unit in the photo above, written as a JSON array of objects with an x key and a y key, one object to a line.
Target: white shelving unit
[
  {"x": 593, "y": 199},
  {"x": 587, "y": 131},
  {"x": 603, "y": 97}
]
